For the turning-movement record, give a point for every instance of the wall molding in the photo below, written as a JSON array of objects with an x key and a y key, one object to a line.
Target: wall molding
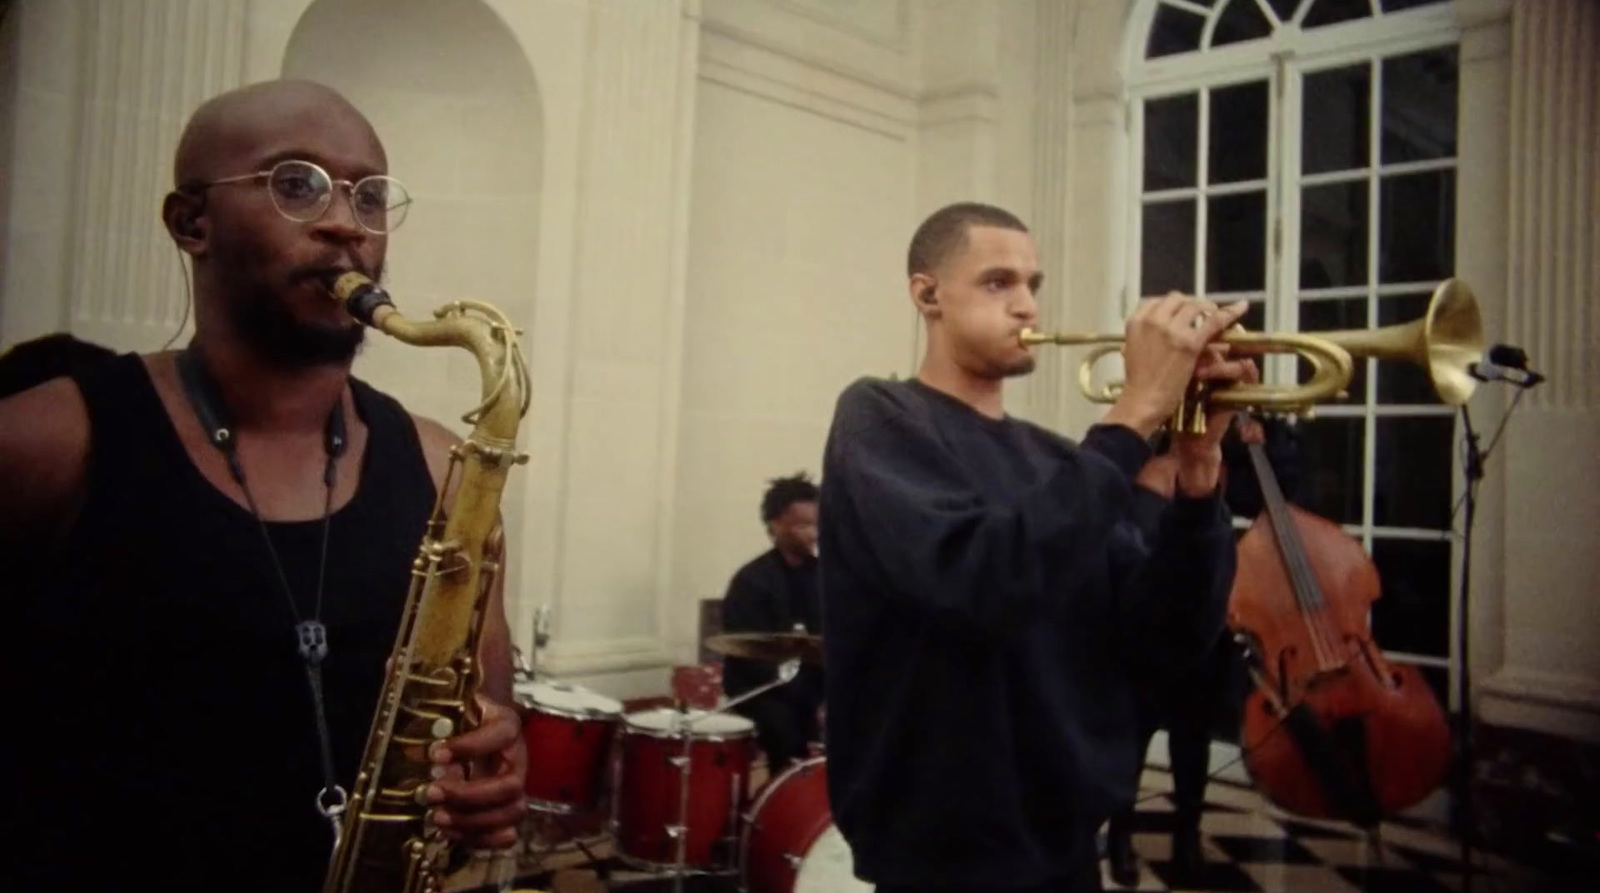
[
  {"x": 902, "y": 84},
  {"x": 763, "y": 72},
  {"x": 963, "y": 104},
  {"x": 1557, "y": 703},
  {"x": 604, "y": 656},
  {"x": 898, "y": 41}
]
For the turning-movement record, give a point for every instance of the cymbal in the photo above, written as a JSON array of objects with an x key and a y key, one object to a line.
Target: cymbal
[{"x": 773, "y": 648}]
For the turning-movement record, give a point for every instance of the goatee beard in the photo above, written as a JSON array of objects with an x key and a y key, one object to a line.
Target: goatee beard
[{"x": 263, "y": 322}]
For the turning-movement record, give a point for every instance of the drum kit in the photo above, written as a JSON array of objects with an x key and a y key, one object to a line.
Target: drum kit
[{"x": 673, "y": 783}]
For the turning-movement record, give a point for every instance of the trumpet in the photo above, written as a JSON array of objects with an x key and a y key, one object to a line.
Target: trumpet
[{"x": 1445, "y": 341}]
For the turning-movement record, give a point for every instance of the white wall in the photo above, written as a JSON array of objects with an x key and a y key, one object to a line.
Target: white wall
[{"x": 800, "y": 207}]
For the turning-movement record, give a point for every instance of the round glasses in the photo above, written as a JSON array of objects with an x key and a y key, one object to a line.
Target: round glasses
[{"x": 302, "y": 191}]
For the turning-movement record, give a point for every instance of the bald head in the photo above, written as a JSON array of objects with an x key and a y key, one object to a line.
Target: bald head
[
  {"x": 258, "y": 269},
  {"x": 227, "y": 130}
]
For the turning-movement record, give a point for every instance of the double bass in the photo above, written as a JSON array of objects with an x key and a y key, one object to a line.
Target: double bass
[{"x": 1331, "y": 728}]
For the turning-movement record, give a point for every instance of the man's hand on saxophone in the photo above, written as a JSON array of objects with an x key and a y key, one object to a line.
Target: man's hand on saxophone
[{"x": 482, "y": 811}]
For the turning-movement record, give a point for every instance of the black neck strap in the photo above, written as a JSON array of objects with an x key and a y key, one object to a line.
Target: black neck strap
[
  {"x": 311, "y": 636},
  {"x": 208, "y": 406}
]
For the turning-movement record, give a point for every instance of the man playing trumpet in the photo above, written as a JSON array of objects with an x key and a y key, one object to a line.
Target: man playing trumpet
[{"x": 994, "y": 593}]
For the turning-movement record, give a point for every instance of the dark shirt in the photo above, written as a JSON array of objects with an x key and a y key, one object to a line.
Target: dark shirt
[
  {"x": 173, "y": 737},
  {"x": 993, "y": 594},
  {"x": 770, "y": 595}
]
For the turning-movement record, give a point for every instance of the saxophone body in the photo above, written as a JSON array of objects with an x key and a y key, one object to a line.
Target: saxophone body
[{"x": 385, "y": 842}]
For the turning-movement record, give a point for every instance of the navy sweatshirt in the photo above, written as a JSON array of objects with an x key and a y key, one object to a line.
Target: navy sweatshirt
[{"x": 993, "y": 597}]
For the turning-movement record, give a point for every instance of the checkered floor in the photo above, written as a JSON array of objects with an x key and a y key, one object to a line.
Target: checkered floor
[
  {"x": 1252, "y": 846},
  {"x": 1249, "y": 845}
]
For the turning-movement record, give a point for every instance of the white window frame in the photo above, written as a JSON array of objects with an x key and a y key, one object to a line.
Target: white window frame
[{"x": 1283, "y": 60}]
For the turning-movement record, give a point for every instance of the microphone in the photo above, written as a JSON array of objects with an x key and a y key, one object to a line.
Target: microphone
[{"x": 1507, "y": 363}]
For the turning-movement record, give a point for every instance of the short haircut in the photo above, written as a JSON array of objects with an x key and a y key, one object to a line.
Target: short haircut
[
  {"x": 945, "y": 232},
  {"x": 35, "y": 362},
  {"x": 784, "y": 492}
]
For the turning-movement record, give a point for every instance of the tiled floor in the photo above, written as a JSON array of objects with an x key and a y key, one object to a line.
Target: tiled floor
[
  {"x": 1250, "y": 847},
  {"x": 1253, "y": 847}
]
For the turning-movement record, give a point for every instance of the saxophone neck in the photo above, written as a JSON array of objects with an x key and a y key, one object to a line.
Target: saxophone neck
[{"x": 479, "y": 328}]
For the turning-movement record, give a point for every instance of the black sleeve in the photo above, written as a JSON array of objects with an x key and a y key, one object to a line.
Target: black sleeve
[
  {"x": 1173, "y": 598},
  {"x": 945, "y": 547}
]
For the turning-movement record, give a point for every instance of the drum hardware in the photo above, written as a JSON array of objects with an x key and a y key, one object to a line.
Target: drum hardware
[
  {"x": 525, "y": 670},
  {"x": 769, "y": 647}
]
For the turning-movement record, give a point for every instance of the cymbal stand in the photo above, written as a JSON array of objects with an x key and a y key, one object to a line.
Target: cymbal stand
[
  {"x": 528, "y": 671},
  {"x": 683, "y": 722},
  {"x": 787, "y": 671}
]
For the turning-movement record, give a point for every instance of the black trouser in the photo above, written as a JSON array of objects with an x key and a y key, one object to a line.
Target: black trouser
[
  {"x": 784, "y": 727},
  {"x": 1189, "y": 710}
]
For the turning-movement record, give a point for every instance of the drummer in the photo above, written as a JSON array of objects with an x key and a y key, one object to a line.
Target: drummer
[{"x": 777, "y": 592}]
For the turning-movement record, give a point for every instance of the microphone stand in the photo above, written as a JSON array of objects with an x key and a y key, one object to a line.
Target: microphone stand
[{"x": 1472, "y": 473}]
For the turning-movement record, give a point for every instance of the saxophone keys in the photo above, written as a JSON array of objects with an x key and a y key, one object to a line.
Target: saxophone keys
[{"x": 442, "y": 727}]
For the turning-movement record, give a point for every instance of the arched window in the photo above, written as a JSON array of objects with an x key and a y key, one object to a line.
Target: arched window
[{"x": 1301, "y": 154}]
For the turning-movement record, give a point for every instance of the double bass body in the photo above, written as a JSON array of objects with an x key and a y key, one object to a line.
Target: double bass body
[{"x": 1331, "y": 729}]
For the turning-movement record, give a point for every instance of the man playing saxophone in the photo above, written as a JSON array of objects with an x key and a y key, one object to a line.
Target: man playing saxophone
[{"x": 209, "y": 549}]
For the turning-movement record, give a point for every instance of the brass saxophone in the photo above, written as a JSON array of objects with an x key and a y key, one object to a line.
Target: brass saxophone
[{"x": 385, "y": 841}]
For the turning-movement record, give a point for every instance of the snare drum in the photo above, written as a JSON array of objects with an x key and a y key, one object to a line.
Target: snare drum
[
  {"x": 568, "y": 731},
  {"x": 790, "y": 844},
  {"x": 655, "y": 803}
]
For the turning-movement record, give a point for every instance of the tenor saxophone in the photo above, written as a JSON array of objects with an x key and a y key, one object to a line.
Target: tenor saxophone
[{"x": 385, "y": 841}]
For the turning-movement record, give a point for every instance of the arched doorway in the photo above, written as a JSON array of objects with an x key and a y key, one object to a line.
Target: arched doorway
[{"x": 456, "y": 103}]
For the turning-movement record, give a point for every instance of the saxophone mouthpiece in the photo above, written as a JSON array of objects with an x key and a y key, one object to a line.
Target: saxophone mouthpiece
[{"x": 360, "y": 296}]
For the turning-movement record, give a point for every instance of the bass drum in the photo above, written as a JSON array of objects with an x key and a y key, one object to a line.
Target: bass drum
[{"x": 790, "y": 844}]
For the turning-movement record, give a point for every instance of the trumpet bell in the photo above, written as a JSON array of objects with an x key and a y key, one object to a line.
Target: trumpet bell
[{"x": 1445, "y": 341}]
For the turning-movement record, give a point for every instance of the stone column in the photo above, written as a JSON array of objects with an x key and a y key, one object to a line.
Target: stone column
[
  {"x": 104, "y": 87},
  {"x": 626, "y": 342},
  {"x": 1550, "y": 676}
]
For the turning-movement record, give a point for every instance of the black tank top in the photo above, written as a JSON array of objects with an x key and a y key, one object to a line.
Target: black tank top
[{"x": 166, "y": 718}]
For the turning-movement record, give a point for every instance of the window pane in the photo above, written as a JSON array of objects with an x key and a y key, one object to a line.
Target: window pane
[
  {"x": 1419, "y": 106},
  {"x": 1333, "y": 461},
  {"x": 1438, "y": 679},
  {"x": 1413, "y": 612},
  {"x": 1168, "y": 252},
  {"x": 1338, "y": 107},
  {"x": 1285, "y": 8},
  {"x": 1240, "y": 21},
  {"x": 1397, "y": 5},
  {"x": 1411, "y": 470},
  {"x": 1255, "y": 319},
  {"x": 1325, "y": 315},
  {"x": 1400, "y": 381},
  {"x": 1238, "y": 145},
  {"x": 1174, "y": 31},
  {"x": 1236, "y": 242},
  {"x": 1416, "y": 226},
  {"x": 1333, "y": 235},
  {"x": 1171, "y": 142},
  {"x": 1330, "y": 12}
]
